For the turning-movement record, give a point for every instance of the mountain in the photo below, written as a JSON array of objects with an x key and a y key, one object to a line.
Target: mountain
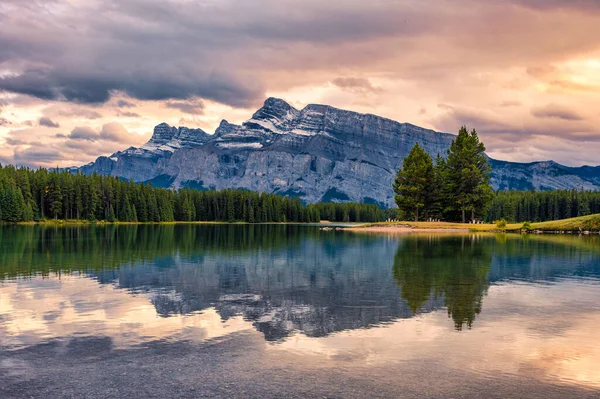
[{"x": 319, "y": 153}]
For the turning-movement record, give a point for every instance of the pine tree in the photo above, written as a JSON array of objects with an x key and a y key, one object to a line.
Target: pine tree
[
  {"x": 468, "y": 175},
  {"x": 111, "y": 218},
  {"x": 230, "y": 207},
  {"x": 413, "y": 183},
  {"x": 584, "y": 205},
  {"x": 437, "y": 200},
  {"x": 55, "y": 195}
]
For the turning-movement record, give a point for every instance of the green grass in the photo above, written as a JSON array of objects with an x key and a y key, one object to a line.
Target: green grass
[{"x": 585, "y": 223}]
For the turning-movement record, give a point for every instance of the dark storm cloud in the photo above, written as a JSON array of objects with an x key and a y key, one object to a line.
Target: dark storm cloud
[
  {"x": 193, "y": 107},
  {"x": 556, "y": 111},
  {"x": 59, "y": 84},
  {"x": 32, "y": 82},
  {"x": 148, "y": 59},
  {"x": 159, "y": 50},
  {"x": 44, "y": 121}
]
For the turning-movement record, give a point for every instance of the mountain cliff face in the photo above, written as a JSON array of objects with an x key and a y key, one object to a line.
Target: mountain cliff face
[{"x": 319, "y": 153}]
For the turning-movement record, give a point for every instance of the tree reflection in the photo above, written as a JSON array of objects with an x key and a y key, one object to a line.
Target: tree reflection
[{"x": 455, "y": 268}]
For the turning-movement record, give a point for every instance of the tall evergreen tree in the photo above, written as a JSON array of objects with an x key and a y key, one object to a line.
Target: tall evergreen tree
[
  {"x": 414, "y": 182},
  {"x": 437, "y": 200},
  {"x": 468, "y": 175}
]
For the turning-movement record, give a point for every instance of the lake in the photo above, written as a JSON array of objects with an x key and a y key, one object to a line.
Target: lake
[{"x": 293, "y": 311}]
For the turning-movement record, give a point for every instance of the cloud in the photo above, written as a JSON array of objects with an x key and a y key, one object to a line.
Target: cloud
[
  {"x": 129, "y": 114},
  {"x": 193, "y": 106},
  {"x": 158, "y": 50},
  {"x": 35, "y": 155},
  {"x": 13, "y": 141},
  {"x": 581, "y": 5},
  {"x": 113, "y": 132},
  {"x": 35, "y": 147},
  {"x": 354, "y": 84},
  {"x": 44, "y": 121},
  {"x": 125, "y": 104},
  {"x": 84, "y": 133},
  {"x": 574, "y": 86},
  {"x": 493, "y": 125},
  {"x": 5, "y": 122},
  {"x": 78, "y": 60},
  {"x": 556, "y": 111},
  {"x": 81, "y": 112},
  {"x": 511, "y": 103}
]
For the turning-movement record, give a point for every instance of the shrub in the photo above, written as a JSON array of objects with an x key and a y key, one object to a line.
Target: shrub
[
  {"x": 501, "y": 224},
  {"x": 526, "y": 226},
  {"x": 591, "y": 224}
]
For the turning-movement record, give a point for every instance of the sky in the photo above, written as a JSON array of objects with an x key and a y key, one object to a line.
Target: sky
[{"x": 84, "y": 78}]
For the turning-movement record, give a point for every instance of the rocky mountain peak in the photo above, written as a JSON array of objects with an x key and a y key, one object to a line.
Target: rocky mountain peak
[
  {"x": 163, "y": 133},
  {"x": 224, "y": 128},
  {"x": 319, "y": 153},
  {"x": 190, "y": 137},
  {"x": 168, "y": 138},
  {"x": 275, "y": 108},
  {"x": 317, "y": 108}
]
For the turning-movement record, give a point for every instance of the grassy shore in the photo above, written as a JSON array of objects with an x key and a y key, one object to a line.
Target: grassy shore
[
  {"x": 589, "y": 223},
  {"x": 584, "y": 224}
]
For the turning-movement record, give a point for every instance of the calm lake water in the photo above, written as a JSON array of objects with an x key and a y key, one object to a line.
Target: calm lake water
[{"x": 293, "y": 311}]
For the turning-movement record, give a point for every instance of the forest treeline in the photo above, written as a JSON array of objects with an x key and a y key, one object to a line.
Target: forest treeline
[
  {"x": 542, "y": 206},
  {"x": 41, "y": 194}
]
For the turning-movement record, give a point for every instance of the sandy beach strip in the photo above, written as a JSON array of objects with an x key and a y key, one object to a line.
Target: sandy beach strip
[{"x": 404, "y": 229}]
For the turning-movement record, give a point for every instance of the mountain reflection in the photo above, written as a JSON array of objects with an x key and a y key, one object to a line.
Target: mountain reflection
[
  {"x": 453, "y": 268},
  {"x": 285, "y": 279}
]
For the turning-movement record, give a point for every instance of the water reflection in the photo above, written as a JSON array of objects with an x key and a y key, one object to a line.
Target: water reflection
[
  {"x": 453, "y": 268},
  {"x": 282, "y": 280},
  {"x": 525, "y": 306}
]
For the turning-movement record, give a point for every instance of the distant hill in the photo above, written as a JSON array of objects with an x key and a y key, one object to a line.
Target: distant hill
[{"x": 319, "y": 153}]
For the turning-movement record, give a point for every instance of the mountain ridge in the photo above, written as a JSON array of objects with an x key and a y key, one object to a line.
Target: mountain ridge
[{"x": 318, "y": 153}]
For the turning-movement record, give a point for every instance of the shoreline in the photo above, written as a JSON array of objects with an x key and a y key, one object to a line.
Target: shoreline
[
  {"x": 575, "y": 226},
  {"x": 403, "y": 229},
  {"x": 61, "y": 222},
  {"x": 568, "y": 226}
]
